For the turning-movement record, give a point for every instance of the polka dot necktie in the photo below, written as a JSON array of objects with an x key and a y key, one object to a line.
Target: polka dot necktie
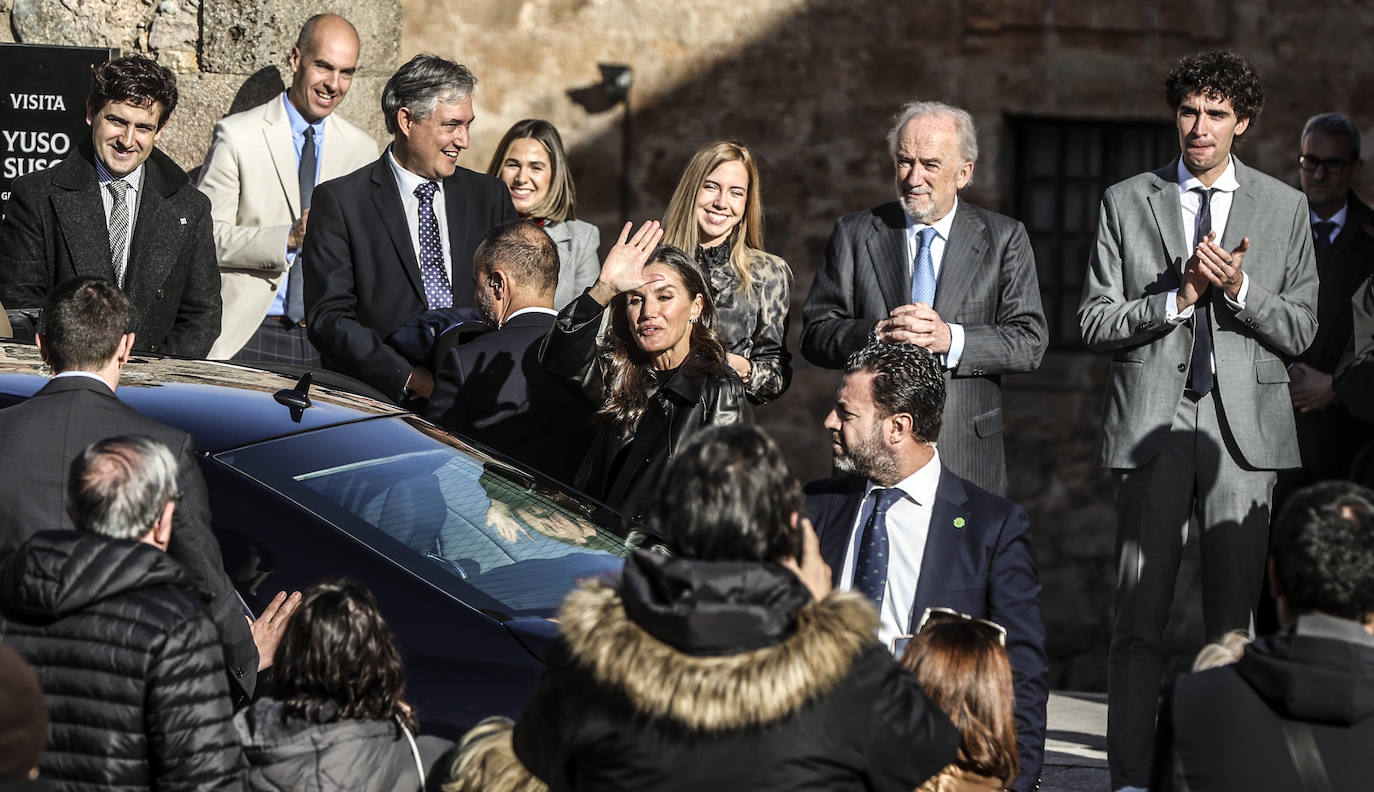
[
  {"x": 438, "y": 293},
  {"x": 870, "y": 569}
]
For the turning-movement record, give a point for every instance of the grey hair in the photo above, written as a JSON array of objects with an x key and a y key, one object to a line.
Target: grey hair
[
  {"x": 118, "y": 486},
  {"x": 963, "y": 125},
  {"x": 423, "y": 82},
  {"x": 1334, "y": 124}
]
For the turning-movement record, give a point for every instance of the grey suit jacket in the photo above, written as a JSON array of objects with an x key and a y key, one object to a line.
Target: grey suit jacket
[
  {"x": 1138, "y": 259},
  {"x": 578, "y": 265},
  {"x": 987, "y": 284}
]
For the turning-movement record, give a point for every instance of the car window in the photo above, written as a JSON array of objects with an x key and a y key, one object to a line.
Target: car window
[{"x": 429, "y": 501}]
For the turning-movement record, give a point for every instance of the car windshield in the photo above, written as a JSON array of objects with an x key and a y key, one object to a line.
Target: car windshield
[{"x": 429, "y": 502}]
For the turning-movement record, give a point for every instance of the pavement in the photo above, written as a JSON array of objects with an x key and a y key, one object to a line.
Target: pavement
[{"x": 1076, "y": 743}]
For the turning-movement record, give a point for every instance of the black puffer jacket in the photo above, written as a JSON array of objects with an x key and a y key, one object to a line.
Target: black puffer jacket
[
  {"x": 625, "y": 472},
  {"x": 129, "y": 662},
  {"x": 294, "y": 755},
  {"x": 697, "y": 676}
]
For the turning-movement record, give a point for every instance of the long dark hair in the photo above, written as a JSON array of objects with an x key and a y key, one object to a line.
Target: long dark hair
[
  {"x": 337, "y": 660},
  {"x": 627, "y": 366}
]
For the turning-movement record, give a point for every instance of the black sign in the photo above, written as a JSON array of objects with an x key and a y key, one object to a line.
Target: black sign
[{"x": 43, "y": 92}]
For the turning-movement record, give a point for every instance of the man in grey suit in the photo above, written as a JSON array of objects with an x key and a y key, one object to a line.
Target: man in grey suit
[
  {"x": 1201, "y": 277},
  {"x": 931, "y": 270}
]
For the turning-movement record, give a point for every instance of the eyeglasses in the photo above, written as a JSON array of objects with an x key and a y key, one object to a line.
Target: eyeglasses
[
  {"x": 1334, "y": 165},
  {"x": 935, "y": 614}
]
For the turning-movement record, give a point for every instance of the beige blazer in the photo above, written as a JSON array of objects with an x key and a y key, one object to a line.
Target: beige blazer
[{"x": 250, "y": 178}]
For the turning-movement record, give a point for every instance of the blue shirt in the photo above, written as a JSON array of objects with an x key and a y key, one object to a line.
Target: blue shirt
[{"x": 298, "y": 126}]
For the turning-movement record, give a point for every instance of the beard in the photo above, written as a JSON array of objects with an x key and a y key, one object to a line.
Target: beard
[{"x": 870, "y": 459}]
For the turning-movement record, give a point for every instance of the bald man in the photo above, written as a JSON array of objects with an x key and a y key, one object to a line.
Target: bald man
[{"x": 262, "y": 166}]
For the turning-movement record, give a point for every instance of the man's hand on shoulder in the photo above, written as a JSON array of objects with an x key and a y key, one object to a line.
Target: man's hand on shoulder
[{"x": 917, "y": 324}]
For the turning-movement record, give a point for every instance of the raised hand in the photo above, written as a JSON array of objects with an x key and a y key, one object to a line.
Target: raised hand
[
  {"x": 623, "y": 269},
  {"x": 1195, "y": 276}
]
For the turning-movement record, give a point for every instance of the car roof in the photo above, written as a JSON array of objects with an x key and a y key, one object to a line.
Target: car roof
[{"x": 220, "y": 404}]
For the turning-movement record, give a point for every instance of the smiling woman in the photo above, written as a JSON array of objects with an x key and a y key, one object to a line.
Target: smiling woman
[{"x": 658, "y": 375}]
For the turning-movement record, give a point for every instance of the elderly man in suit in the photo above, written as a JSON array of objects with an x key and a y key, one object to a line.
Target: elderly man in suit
[
  {"x": 902, "y": 528},
  {"x": 1201, "y": 279},
  {"x": 118, "y": 208},
  {"x": 492, "y": 388},
  {"x": 262, "y": 167},
  {"x": 395, "y": 239},
  {"x": 84, "y": 341},
  {"x": 941, "y": 273}
]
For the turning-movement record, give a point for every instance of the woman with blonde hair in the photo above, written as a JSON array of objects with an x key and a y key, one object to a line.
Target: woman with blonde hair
[
  {"x": 531, "y": 161},
  {"x": 716, "y": 216},
  {"x": 962, "y": 665}
]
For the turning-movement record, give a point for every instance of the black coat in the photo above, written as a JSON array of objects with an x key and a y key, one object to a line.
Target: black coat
[
  {"x": 42, "y": 437},
  {"x": 129, "y": 663},
  {"x": 362, "y": 275},
  {"x": 1225, "y": 731},
  {"x": 696, "y": 675},
  {"x": 623, "y": 472},
  {"x": 493, "y": 390},
  {"x": 55, "y": 230}
]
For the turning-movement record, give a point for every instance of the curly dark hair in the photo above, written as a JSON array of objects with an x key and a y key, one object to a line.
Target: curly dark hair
[
  {"x": 1323, "y": 549},
  {"x": 337, "y": 660},
  {"x": 732, "y": 498},
  {"x": 626, "y": 367},
  {"x": 1218, "y": 75},
  {"x": 906, "y": 379},
  {"x": 135, "y": 80}
]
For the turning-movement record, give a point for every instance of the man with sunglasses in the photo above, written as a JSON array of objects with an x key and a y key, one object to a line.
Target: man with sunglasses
[{"x": 912, "y": 536}]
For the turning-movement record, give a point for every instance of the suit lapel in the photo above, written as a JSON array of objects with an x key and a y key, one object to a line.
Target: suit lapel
[
  {"x": 81, "y": 217},
  {"x": 276, "y": 135},
  {"x": 942, "y": 537},
  {"x": 963, "y": 254},
  {"x": 333, "y": 157},
  {"x": 460, "y": 276},
  {"x": 1168, "y": 213},
  {"x": 386, "y": 198},
  {"x": 156, "y": 232},
  {"x": 1243, "y": 208},
  {"x": 887, "y": 253}
]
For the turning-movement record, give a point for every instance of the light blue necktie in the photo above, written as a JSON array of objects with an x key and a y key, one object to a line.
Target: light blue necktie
[
  {"x": 870, "y": 567},
  {"x": 923, "y": 274}
]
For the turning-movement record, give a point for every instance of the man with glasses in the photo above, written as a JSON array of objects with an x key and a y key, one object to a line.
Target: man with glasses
[
  {"x": 1201, "y": 277},
  {"x": 911, "y": 535},
  {"x": 1329, "y": 437}
]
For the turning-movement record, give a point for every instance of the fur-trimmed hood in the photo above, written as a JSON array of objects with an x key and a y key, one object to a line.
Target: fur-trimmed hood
[{"x": 793, "y": 650}]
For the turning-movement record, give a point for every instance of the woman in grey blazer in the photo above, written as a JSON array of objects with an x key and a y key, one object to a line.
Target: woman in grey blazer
[
  {"x": 531, "y": 161},
  {"x": 717, "y": 213}
]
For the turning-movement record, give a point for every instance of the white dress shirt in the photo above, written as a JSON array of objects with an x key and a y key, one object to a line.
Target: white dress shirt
[
  {"x": 1338, "y": 219},
  {"x": 1190, "y": 203},
  {"x": 131, "y": 196},
  {"x": 406, "y": 182},
  {"x": 908, "y": 525},
  {"x": 937, "y": 258}
]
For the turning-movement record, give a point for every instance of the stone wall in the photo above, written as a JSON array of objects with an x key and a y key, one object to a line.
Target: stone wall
[
  {"x": 229, "y": 55},
  {"x": 810, "y": 86}
]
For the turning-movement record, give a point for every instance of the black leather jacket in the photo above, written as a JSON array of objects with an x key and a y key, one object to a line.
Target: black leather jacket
[{"x": 688, "y": 401}]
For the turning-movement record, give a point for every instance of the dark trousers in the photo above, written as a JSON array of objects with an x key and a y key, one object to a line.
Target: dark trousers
[
  {"x": 277, "y": 341},
  {"x": 1197, "y": 475}
]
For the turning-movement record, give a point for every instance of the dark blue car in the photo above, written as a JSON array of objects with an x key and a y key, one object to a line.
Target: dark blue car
[{"x": 468, "y": 555}]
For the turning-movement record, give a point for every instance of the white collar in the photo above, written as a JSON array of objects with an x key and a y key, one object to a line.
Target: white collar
[
  {"x": 1226, "y": 182},
  {"x": 405, "y": 180},
  {"x": 531, "y": 309},
  {"x": 941, "y": 226},
  {"x": 920, "y": 486}
]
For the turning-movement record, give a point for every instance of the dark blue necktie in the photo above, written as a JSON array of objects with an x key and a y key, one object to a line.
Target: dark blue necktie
[
  {"x": 1321, "y": 238},
  {"x": 305, "y": 176},
  {"x": 438, "y": 293},
  {"x": 1200, "y": 367},
  {"x": 870, "y": 568},
  {"x": 923, "y": 272}
]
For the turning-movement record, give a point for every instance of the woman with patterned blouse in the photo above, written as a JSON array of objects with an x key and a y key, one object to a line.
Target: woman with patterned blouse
[{"x": 716, "y": 211}]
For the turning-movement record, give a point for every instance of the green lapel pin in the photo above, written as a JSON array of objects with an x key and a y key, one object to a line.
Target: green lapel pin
[{"x": 958, "y": 522}]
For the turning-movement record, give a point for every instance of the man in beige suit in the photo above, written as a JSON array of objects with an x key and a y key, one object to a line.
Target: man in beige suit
[{"x": 259, "y": 174}]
